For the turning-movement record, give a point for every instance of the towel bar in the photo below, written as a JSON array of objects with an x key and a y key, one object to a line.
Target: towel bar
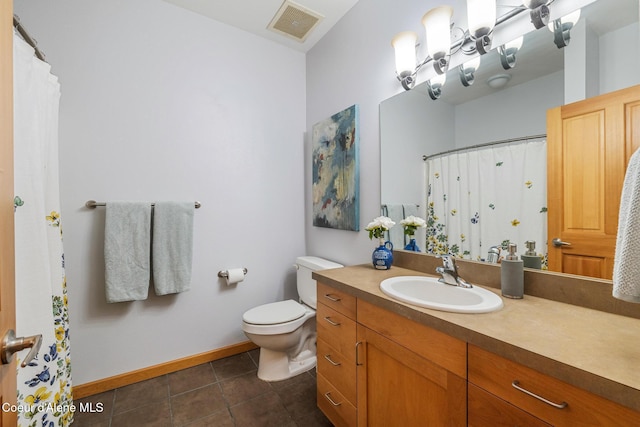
[
  {"x": 225, "y": 273},
  {"x": 91, "y": 204}
]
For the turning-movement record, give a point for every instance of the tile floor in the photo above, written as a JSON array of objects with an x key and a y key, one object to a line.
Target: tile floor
[{"x": 222, "y": 393}]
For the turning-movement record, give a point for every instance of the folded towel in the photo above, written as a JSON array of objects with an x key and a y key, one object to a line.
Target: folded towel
[
  {"x": 410, "y": 210},
  {"x": 172, "y": 246},
  {"x": 127, "y": 239},
  {"x": 626, "y": 265}
]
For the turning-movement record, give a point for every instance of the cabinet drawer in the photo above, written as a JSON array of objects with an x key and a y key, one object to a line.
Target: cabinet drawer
[
  {"x": 334, "y": 405},
  {"x": 337, "y": 330},
  {"x": 338, "y": 370},
  {"x": 498, "y": 376},
  {"x": 337, "y": 300},
  {"x": 487, "y": 410}
]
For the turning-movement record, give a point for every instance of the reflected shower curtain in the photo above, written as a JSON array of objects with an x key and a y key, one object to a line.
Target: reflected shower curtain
[
  {"x": 485, "y": 197},
  {"x": 44, "y": 386}
]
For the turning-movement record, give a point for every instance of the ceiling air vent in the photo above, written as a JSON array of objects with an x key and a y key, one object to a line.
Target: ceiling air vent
[{"x": 295, "y": 21}]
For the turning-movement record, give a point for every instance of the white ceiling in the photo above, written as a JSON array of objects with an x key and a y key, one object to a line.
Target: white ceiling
[{"x": 255, "y": 15}]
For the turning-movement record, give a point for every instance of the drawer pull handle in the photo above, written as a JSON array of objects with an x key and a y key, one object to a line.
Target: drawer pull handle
[
  {"x": 328, "y": 357},
  {"x": 516, "y": 385},
  {"x": 328, "y": 396},
  {"x": 332, "y": 298},
  {"x": 328, "y": 319},
  {"x": 358, "y": 354}
]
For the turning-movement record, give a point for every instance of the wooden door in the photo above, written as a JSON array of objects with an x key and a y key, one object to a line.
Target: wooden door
[
  {"x": 397, "y": 387},
  {"x": 588, "y": 146},
  {"x": 7, "y": 263}
]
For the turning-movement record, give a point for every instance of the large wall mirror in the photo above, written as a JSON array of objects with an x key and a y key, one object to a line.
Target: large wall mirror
[{"x": 602, "y": 56}]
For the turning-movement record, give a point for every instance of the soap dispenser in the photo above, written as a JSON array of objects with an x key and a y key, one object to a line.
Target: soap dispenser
[
  {"x": 512, "y": 274},
  {"x": 530, "y": 258}
]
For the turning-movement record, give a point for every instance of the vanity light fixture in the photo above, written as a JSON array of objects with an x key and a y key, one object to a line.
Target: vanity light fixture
[
  {"x": 467, "y": 71},
  {"x": 561, "y": 28},
  {"x": 404, "y": 45},
  {"x": 508, "y": 52},
  {"x": 539, "y": 12},
  {"x": 434, "y": 86},
  {"x": 476, "y": 41},
  {"x": 481, "y": 15},
  {"x": 437, "y": 25}
]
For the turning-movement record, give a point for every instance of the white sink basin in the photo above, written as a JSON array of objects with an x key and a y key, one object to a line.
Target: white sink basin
[{"x": 429, "y": 293}]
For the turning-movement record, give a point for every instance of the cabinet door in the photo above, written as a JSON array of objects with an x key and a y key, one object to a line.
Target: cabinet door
[{"x": 397, "y": 387}]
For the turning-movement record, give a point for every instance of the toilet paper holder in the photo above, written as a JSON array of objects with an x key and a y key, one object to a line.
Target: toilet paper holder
[{"x": 225, "y": 273}]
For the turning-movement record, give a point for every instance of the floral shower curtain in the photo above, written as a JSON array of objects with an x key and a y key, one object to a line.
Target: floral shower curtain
[
  {"x": 44, "y": 386},
  {"x": 485, "y": 197}
]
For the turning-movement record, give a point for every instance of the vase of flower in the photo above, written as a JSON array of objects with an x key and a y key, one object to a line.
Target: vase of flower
[
  {"x": 410, "y": 225},
  {"x": 412, "y": 245},
  {"x": 383, "y": 255}
]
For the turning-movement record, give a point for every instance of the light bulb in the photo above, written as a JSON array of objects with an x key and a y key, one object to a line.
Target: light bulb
[
  {"x": 437, "y": 25},
  {"x": 405, "y": 47},
  {"x": 481, "y": 16}
]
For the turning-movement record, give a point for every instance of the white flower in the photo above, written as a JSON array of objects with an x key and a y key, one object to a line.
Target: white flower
[
  {"x": 378, "y": 226},
  {"x": 382, "y": 222},
  {"x": 413, "y": 221}
]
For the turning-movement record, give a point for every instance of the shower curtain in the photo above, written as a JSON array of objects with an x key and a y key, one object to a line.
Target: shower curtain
[
  {"x": 44, "y": 386},
  {"x": 485, "y": 197}
]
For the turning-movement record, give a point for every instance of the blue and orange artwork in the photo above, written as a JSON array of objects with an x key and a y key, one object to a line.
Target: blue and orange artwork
[{"x": 336, "y": 171}]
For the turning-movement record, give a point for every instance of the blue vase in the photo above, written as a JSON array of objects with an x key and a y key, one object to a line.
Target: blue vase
[
  {"x": 412, "y": 246},
  {"x": 383, "y": 256}
]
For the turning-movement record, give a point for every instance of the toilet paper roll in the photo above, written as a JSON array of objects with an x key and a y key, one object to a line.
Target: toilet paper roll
[{"x": 235, "y": 275}]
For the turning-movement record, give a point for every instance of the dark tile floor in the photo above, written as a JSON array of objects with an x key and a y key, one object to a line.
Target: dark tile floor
[{"x": 222, "y": 393}]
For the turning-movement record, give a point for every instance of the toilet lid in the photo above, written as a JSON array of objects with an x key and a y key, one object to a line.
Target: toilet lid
[{"x": 274, "y": 313}]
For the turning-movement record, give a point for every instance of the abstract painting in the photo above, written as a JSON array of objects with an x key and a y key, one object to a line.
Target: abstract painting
[{"x": 336, "y": 171}]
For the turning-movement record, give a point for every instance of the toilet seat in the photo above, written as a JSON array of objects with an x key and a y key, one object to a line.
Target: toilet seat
[
  {"x": 276, "y": 318},
  {"x": 274, "y": 313}
]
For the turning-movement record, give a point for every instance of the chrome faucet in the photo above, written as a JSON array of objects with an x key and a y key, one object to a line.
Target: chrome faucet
[{"x": 449, "y": 273}]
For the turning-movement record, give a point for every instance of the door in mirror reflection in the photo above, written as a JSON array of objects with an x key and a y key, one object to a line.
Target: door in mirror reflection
[{"x": 589, "y": 145}]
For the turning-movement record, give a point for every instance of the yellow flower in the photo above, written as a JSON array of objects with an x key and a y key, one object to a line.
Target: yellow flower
[
  {"x": 53, "y": 216},
  {"x": 515, "y": 222},
  {"x": 37, "y": 397},
  {"x": 59, "y": 333}
]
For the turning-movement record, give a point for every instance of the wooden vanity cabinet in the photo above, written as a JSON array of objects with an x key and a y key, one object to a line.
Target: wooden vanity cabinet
[
  {"x": 376, "y": 368},
  {"x": 408, "y": 374},
  {"x": 336, "y": 353},
  {"x": 565, "y": 404}
]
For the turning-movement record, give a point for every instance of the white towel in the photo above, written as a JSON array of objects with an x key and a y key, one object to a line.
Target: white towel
[
  {"x": 626, "y": 266},
  {"x": 410, "y": 210},
  {"x": 172, "y": 247},
  {"x": 127, "y": 240}
]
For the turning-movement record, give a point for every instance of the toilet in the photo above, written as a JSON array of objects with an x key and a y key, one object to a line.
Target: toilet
[{"x": 285, "y": 331}]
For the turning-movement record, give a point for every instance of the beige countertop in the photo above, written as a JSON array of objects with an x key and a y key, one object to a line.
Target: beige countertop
[{"x": 591, "y": 349}]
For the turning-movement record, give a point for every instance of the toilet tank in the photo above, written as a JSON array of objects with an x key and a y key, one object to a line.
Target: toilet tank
[{"x": 306, "y": 285}]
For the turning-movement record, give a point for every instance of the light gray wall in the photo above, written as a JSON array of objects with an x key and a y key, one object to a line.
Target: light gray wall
[
  {"x": 159, "y": 103},
  {"x": 494, "y": 118},
  {"x": 354, "y": 64},
  {"x": 413, "y": 126}
]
